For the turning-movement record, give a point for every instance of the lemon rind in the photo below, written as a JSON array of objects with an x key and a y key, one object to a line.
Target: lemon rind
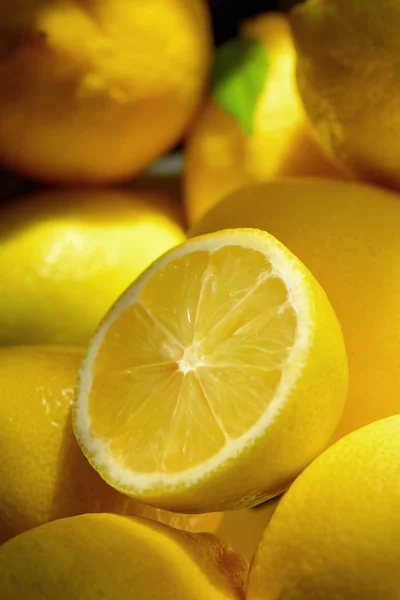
[{"x": 295, "y": 277}]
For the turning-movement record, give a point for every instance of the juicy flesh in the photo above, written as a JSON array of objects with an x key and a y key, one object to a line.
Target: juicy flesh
[{"x": 194, "y": 362}]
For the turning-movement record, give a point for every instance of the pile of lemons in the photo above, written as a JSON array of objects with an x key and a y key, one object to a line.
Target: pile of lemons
[{"x": 199, "y": 368}]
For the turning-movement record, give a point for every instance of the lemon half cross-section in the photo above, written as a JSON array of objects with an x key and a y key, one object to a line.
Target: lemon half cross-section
[{"x": 215, "y": 378}]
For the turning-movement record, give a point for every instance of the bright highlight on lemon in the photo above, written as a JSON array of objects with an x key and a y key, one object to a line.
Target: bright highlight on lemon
[
  {"x": 66, "y": 256},
  {"x": 215, "y": 379}
]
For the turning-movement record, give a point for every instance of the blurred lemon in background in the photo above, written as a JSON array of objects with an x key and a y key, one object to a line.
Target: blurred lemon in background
[
  {"x": 44, "y": 475},
  {"x": 348, "y": 72},
  {"x": 95, "y": 91},
  {"x": 347, "y": 234},
  {"x": 65, "y": 256},
  {"x": 253, "y": 127},
  {"x": 336, "y": 532},
  {"x": 113, "y": 557},
  {"x": 244, "y": 529}
]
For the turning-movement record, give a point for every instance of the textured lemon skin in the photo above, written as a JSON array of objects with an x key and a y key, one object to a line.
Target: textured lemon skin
[
  {"x": 44, "y": 475},
  {"x": 66, "y": 256},
  {"x": 348, "y": 236},
  {"x": 336, "y": 532},
  {"x": 108, "y": 556},
  {"x": 297, "y": 433},
  {"x": 347, "y": 70},
  {"x": 221, "y": 158},
  {"x": 96, "y": 92}
]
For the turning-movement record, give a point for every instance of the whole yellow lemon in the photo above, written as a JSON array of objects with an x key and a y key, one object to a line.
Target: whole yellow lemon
[
  {"x": 253, "y": 127},
  {"x": 65, "y": 257},
  {"x": 347, "y": 234},
  {"x": 348, "y": 72},
  {"x": 118, "y": 558},
  {"x": 335, "y": 535},
  {"x": 44, "y": 475},
  {"x": 94, "y": 91}
]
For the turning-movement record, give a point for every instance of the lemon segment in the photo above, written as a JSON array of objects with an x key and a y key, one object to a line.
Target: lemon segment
[{"x": 195, "y": 362}]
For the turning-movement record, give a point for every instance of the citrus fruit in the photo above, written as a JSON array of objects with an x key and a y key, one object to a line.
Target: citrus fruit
[
  {"x": 348, "y": 236},
  {"x": 215, "y": 378},
  {"x": 243, "y": 529},
  {"x": 65, "y": 256},
  {"x": 96, "y": 91},
  {"x": 44, "y": 475},
  {"x": 348, "y": 64},
  {"x": 109, "y": 556},
  {"x": 253, "y": 127},
  {"x": 336, "y": 532}
]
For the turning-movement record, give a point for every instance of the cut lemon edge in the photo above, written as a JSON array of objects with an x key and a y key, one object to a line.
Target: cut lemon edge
[{"x": 194, "y": 363}]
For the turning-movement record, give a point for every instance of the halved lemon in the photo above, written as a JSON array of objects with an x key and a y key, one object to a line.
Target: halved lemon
[{"x": 215, "y": 378}]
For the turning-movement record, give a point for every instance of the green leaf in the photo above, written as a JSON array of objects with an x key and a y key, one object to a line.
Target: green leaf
[{"x": 240, "y": 70}]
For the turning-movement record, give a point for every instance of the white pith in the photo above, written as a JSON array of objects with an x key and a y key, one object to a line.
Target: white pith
[
  {"x": 190, "y": 360},
  {"x": 296, "y": 284}
]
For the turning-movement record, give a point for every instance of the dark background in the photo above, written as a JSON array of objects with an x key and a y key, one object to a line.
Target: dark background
[{"x": 227, "y": 14}]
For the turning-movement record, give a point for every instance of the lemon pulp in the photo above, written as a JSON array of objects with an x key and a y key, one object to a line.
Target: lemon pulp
[{"x": 193, "y": 369}]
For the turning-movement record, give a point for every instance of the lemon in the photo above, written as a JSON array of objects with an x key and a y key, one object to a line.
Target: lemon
[
  {"x": 108, "y": 556},
  {"x": 66, "y": 256},
  {"x": 253, "y": 127},
  {"x": 44, "y": 475},
  {"x": 216, "y": 377},
  {"x": 95, "y": 92},
  {"x": 348, "y": 236},
  {"x": 348, "y": 65},
  {"x": 243, "y": 529},
  {"x": 336, "y": 532}
]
